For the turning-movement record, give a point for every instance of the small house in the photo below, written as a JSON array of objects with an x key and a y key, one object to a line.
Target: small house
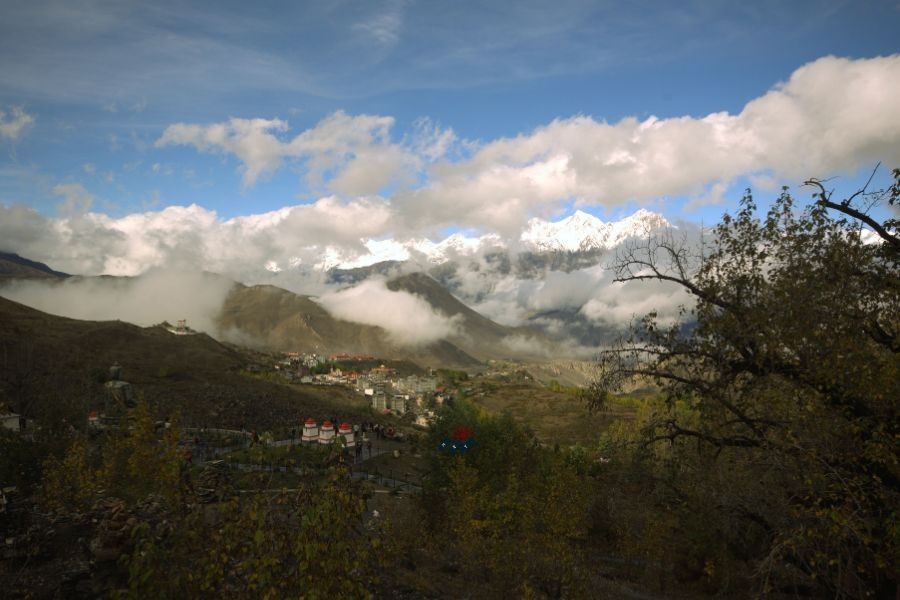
[{"x": 11, "y": 421}]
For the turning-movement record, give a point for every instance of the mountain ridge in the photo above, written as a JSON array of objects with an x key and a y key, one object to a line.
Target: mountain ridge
[
  {"x": 278, "y": 319},
  {"x": 13, "y": 266}
]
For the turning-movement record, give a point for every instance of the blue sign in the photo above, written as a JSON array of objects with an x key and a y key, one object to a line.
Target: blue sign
[{"x": 455, "y": 446}]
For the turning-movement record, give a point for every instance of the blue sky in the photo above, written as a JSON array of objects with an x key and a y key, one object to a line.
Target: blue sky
[{"x": 419, "y": 99}]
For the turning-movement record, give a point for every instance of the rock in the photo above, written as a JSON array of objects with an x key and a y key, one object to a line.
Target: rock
[
  {"x": 213, "y": 483},
  {"x": 113, "y": 534}
]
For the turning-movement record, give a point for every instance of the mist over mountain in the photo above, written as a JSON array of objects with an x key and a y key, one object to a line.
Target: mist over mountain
[
  {"x": 555, "y": 299},
  {"x": 554, "y": 282},
  {"x": 414, "y": 318},
  {"x": 156, "y": 296}
]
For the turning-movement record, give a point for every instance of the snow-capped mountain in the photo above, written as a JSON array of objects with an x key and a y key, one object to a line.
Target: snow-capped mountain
[
  {"x": 582, "y": 231},
  {"x": 579, "y": 232},
  {"x": 456, "y": 245},
  {"x": 392, "y": 250}
]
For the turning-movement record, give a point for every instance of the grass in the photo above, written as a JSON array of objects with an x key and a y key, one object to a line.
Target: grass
[
  {"x": 290, "y": 456},
  {"x": 271, "y": 480},
  {"x": 386, "y": 465},
  {"x": 554, "y": 416}
]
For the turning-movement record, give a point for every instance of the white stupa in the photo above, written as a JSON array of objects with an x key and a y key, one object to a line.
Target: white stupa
[
  {"x": 326, "y": 433},
  {"x": 310, "y": 432},
  {"x": 346, "y": 432}
]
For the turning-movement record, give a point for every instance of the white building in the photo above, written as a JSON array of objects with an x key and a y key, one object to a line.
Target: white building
[
  {"x": 398, "y": 403},
  {"x": 326, "y": 433},
  {"x": 310, "y": 432},
  {"x": 346, "y": 431},
  {"x": 11, "y": 421}
]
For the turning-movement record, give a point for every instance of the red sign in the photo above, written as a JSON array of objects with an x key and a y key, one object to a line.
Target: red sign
[{"x": 461, "y": 434}]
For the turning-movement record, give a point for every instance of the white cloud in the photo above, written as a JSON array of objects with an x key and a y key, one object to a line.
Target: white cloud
[
  {"x": 407, "y": 318},
  {"x": 384, "y": 27},
  {"x": 251, "y": 140},
  {"x": 158, "y": 295},
  {"x": 351, "y": 155},
  {"x": 558, "y": 289},
  {"x": 76, "y": 199},
  {"x": 190, "y": 237},
  {"x": 11, "y": 127},
  {"x": 619, "y": 303},
  {"x": 831, "y": 115},
  {"x": 431, "y": 141}
]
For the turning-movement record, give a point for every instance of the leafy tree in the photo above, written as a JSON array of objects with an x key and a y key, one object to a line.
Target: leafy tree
[
  {"x": 307, "y": 543},
  {"x": 510, "y": 512},
  {"x": 452, "y": 376},
  {"x": 20, "y": 460},
  {"x": 262, "y": 544},
  {"x": 69, "y": 482},
  {"x": 780, "y": 425},
  {"x": 128, "y": 463}
]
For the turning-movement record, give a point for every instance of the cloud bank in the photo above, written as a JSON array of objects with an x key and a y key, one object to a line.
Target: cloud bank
[
  {"x": 832, "y": 115},
  {"x": 156, "y": 296},
  {"x": 408, "y": 319}
]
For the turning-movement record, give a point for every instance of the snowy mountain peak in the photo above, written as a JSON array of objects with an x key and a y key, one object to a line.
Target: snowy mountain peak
[
  {"x": 582, "y": 218},
  {"x": 579, "y": 232},
  {"x": 582, "y": 231}
]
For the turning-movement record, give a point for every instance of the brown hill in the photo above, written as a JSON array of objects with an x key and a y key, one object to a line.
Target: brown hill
[
  {"x": 13, "y": 266},
  {"x": 271, "y": 317},
  {"x": 53, "y": 368},
  {"x": 478, "y": 335}
]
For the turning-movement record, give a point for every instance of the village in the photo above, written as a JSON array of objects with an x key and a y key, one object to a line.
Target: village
[{"x": 387, "y": 390}]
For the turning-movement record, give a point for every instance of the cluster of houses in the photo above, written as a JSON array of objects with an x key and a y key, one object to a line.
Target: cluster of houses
[
  {"x": 307, "y": 368},
  {"x": 384, "y": 388},
  {"x": 387, "y": 389},
  {"x": 306, "y": 361},
  {"x": 399, "y": 394}
]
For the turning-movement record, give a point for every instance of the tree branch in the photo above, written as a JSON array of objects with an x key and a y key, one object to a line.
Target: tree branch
[
  {"x": 845, "y": 208},
  {"x": 676, "y": 431}
]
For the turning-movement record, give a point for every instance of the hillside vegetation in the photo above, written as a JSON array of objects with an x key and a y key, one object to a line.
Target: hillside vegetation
[{"x": 54, "y": 368}]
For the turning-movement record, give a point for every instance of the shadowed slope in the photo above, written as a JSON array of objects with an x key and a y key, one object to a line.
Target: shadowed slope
[{"x": 54, "y": 366}]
